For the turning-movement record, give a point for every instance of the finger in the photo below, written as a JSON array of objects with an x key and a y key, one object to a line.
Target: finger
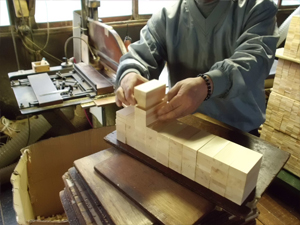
[
  {"x": 118, "y": 102},
  {"x": 173, "y": 92},
  {"x": 129, "y": 97},
  {"x": 174, "y": 114},
  {"x": 120, "y": 96},
  {"x": 171, "y": 106}
]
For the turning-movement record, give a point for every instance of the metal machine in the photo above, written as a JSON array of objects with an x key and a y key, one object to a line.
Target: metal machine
[{"x": 94, "y": 42}]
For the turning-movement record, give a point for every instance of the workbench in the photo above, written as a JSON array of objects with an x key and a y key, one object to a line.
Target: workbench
[{"x": 114, "y": 184}]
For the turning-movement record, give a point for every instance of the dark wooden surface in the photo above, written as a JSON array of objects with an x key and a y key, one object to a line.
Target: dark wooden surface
[
  {"x": 119, "y": 208},
  {"x": 165, "y": 199},
  {"x": 80, "y": 209},
  {"x": 42, "y": 84},
  {"x": 103, "y": 85},
  {"x": 84, "y": 193},
  {"x": 273, "y": 161},
  {"x": 67, "y": 205}
]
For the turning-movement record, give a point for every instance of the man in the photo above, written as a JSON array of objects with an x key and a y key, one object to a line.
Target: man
[{"x": 218, "y": 54}]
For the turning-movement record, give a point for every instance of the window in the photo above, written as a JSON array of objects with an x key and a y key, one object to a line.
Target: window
[
  {"x": 290, "y": 2},
  {"x": 53, "y": 11},
  {"x": 110, "y": 8},
  {"x": 151, "y": 6},
  {"x": 4, "y": 19}
]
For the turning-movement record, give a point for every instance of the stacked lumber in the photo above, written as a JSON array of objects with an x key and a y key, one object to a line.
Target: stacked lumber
[
  {"x": 224, "y": 167},
  {"x": 282, "y": 126}
]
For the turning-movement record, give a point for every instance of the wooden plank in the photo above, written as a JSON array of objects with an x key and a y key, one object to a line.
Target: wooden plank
[
  {"x": 42, "y": 86},
  {"x": 280, "y": 54},
  {"x": 84, "y": 193},
  {"x": 120, "y": 209},
  {"x": 105, "y": 101},
  {"x": 149, "y": 94},
  {"x": 164, "y": 199},
  {"x": 80, "y": 209},
  {"x": 272, "y": 210},
  {"x": 68, "y": 208},
  {"x": 102, "y": 84}
]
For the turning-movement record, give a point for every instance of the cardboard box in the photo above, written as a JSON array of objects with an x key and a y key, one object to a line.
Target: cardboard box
[{"x": 37, "y": 179}]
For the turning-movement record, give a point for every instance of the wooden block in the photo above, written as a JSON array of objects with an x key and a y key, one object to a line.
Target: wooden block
[
  {"x": 176, "y": 147},
  {"x": 140, "y": 138},
  {"x": 242, "y": 175},
  {"x": 130, "y": 130},
  {"x": 151, "y": 138},
  {"x": 38, "y": 68},
  {"x": 123, "y": 113},
  {"x": 189, "y": 152},
  {"x": 220, "y": 167},
  {"x": 146, "y": 117},
  {"x": 163, "y": 140},
  {"x": 121, "y": 131},
  {"x": 205, "y": 157},
  {"x": 149, "y": 94}
]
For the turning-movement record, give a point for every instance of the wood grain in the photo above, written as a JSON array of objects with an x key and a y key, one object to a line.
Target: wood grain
[
  {"x": 163, "y": 198},
  {"x": 120, "y": 209}
]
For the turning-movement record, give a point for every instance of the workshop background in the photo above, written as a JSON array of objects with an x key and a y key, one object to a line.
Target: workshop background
[{"x": 127, "y": 17}]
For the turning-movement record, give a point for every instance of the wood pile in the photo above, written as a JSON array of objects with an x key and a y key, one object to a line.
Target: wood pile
[
  {"x": 282, "y": 126},
  {"x": 224, "y": 167}
]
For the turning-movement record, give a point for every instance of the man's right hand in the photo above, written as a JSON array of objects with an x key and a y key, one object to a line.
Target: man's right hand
[{"x": 124, "y": 94}]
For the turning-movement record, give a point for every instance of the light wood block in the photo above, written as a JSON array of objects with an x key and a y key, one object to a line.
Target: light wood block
[
  {"x": 242, "y": 175},
  {"x": 189, "y": 152},
  {"x": 140, "y": 138},
  {"x": 163, "y": 140},
  {"x": 149, "y": 94},
  {"x": 146, "y": 117},
  {"x": 151, "y": 138},
  {"x": 123, "y": 113},
  {"x": 209, "y": 149},
  {"x": 130, "y": 130},
  {"x": 121, "y": 131},
  {"x": 176, "y": 147},
  {"x": 220, "y": 167}
]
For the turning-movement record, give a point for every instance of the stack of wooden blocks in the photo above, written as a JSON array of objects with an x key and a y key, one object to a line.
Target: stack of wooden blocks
[
  {"x": 218, "y": 164},
  {"x": 282, "y": 126}
]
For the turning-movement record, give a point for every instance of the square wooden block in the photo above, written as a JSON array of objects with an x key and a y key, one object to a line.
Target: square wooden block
[
  {"x": 176, "y": 147},
  {"x": 38, "y": 68},
  {"x": 220, "y": 167},
  {"x": 189, "y": 152},
  {"x": 242, "y": 175},
  {"x": 149, "y": 94},
  {"x": 121, "y": 131},
  {"x": 205, "y": 155},
  {"x": 146, "y": 117},
  {"x": 163, "y": 140}
]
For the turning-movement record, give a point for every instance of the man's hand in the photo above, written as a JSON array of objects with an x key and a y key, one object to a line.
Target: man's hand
[
  {"x": 124, "y": 94},
  {"x": 184, "y": 98}
]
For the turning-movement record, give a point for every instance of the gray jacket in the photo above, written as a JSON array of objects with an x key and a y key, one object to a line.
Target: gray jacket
[{"x": 234, "y": 45}]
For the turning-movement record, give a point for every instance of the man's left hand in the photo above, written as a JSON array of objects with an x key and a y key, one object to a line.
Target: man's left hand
[{"x": 184, "y": 98}]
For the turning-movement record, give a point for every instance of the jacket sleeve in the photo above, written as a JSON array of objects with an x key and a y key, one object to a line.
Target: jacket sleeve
[
  {"x": 253, "y": 55},
  {"x": 148, "y": 55}
]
